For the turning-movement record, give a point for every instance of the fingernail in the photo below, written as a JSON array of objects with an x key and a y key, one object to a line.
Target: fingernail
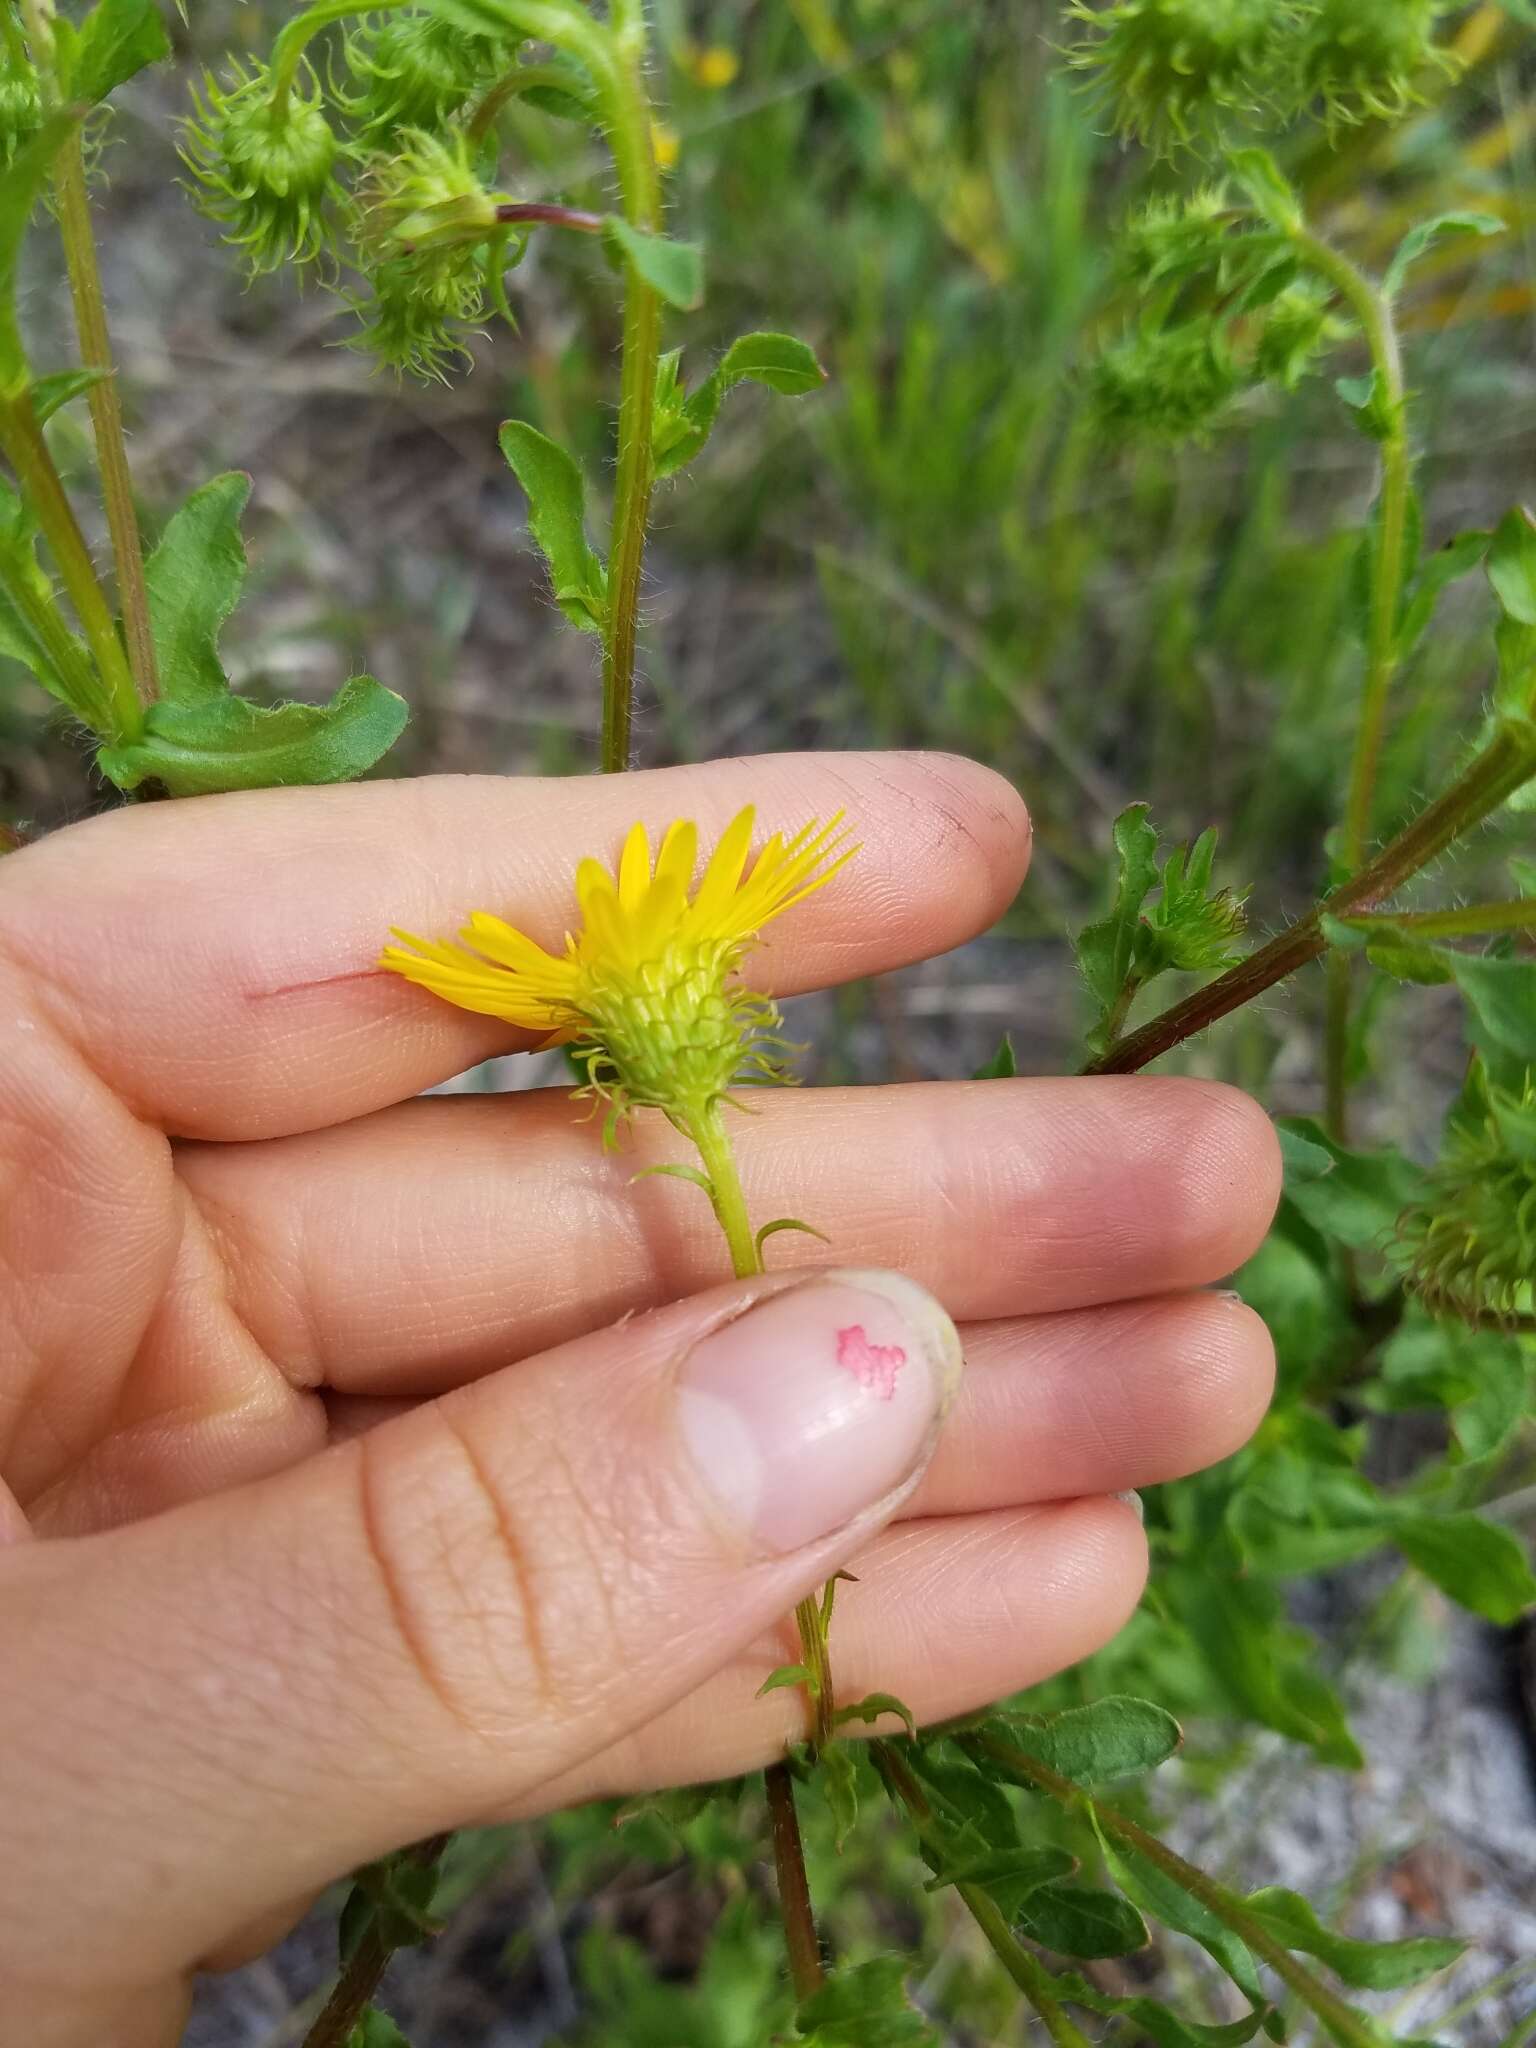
[
  {"x": 820, "y": 1404},
  {"x": 1136, "y": 1505}
]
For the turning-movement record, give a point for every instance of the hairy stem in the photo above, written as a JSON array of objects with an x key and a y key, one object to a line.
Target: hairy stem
[
  {"x": 1471, "y": 920},
  {"x": 1503, "y": 766},
  {"x": 1346, "y": 2025},
  {"x": 78, "y": 682},
  {"x": 118, "y": 715},
  {"x": 1032, "y": 1978},
  {"x": 365, "y": 1971},
  {"x": 634, "y": 154},
  {"x": 1388, "y": 568},
  {"x": 106, "y": 413},
  {"x": 806, "y": 1971}
]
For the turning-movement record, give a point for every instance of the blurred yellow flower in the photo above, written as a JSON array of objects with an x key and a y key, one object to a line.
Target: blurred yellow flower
[
  {"x": 666, "y": 144},
  {"x": 645, "y": 986},
  {"x": 714, "y": 68}
]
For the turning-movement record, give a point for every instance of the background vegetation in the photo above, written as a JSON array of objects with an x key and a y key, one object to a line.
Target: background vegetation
[{"x": 948, "y": 547}]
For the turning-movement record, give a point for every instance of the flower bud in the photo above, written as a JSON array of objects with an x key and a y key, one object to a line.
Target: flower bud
[
  {"x": 1367, "y": 59},
  {"x": 1167, "y": 69},
  {"x": 424, "y": 200},
  {"x": 1472, "y": 1243},
  {"x": 418, "y": 320},
  {"x": 1164, "y": 383},
  {"x": 412, "y": 71},
  {"x": 265, "y": 166}
]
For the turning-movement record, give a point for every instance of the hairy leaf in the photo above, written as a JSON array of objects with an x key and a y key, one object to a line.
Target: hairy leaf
[
  {"x": 1426, "y": 233},
  {"x": 685, "y": 423},
  {"x": 201, "y": 748},
  {"x": 1162, "y": 2025},
  {"x": 22, "y": 186},
  {"x": 1021, "y": 1870},
  {"x": 1359, "y": 1201},
  {"x": 1082, "y": 1920},
  {"x": 116, "y": 40},
  {"x": 557, "y": 504},
  {"x": 1165, "y": 1898},
  {"x": 376, "y": 2030},
  {"x": 194, "y": 578},
  {"x": 51, "y": 394},
  {"x": 673, "y": 270},
  {"x": 1480, "y": 1565},
  {"x": 865, "y": 2006},
  {"x": 1112, "y": 1738},
  {"x": 1002, "y": 1066},
  {"x": 1106, "y": 948},
  {"x": 1366, "y": 1965}
]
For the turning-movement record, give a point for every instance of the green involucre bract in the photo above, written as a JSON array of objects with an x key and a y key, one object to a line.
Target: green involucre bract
[
  {"x": 1167, "y": 383},
  {"x": 264, "y": 165},
  {"x": 1368, "y": 59},
  {"x": 1168, "y": 69},
  {"x": 412, "y": 71},
  {"x": 21, "y": 113},
  {"x": 418, "y": 321},
  {"x": 1472, "y": 1243},
  {"x": 1297, "y": 329}
]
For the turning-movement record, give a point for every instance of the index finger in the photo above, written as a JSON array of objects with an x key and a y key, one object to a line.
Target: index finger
[{"x": 215, "y": 960}]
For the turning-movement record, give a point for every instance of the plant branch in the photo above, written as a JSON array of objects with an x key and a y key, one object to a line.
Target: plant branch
[
  {"x": 629, "y": 121},
  {"x": 1471, "y": 920},
  {"x": 1346, "y": 2025},
  {"x": 365, "y": 1971},
  {"x": 1507, "y": 762},
  {"x": 106, "y": 413},
  {"x": 515, "y": 84},
  {"x": 1031, "y": 1977},
  {"x": 120, "y": 714},
  {"x": 806, "y": 1971}
]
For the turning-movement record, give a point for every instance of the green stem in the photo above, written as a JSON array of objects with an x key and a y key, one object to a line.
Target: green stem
[
  {"x": 106, "y": 414},
  {"x": 1503, "y": 766},
  {"x": 1032, "y": 1978},
  {"x": 21, "y": 437},
  {"x": 514, "y": 84},
  {"x": 365, "y": 1970},
  {"x": 1114, "y": 1023},
  {"x": 1346, "y": 2025},
  {"x": 629, "y": 120},
  {"x": 79, "y": 684},
  {"x": 1388, "y": 568}
]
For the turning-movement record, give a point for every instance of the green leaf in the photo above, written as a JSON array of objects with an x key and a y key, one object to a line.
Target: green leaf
[
  {"x": 1427, "y": 232},
  {"x": 967, "y": 1803},
  {"x": 50, "y": 394},
  {"x": 1168, "y": 2029},
  {"x": 1155, "y": 1892},
  {"x": 194, "y": 579},
  {"x": 1457, "y": 558},
  {"x": 1268, "y": 187},
  {"x": 22, "y": 186},
  {"x": 376, "y": 2030},
  {"x": 1301, "y": 1160},
  {"x": 116, "y": 40},
  {"x": 1377, "y": 413},
  {"x": 673, "y": 270},
  {"x": 1359, "y": 1202},
  {"x": 865, "y": 2006},
  {"x": 837, "y": 1777},
  {"x": 1480, "y": 1378},
  {"x": 783, "y": 1223},
  {"x": 203, "y": 748},
  {"x": 1022, "y": 1870},
  {"x": 1003, "y": 1065},
  {"x": 1082, "y": 1920},
  {"x": 1479, "y": 1564},
  {"x": 1112, "y": 1738},
  {"x": 1512, "y": 565},
  {"x": 557, "y": 505},
  {"x": 788, "y": 1675},
  {"x": 684, "y": 424},
  {"x": 871, "y": 1707},
  {"x": 1293, "y": 1516},
  {"x": 1501, "y": 993},
  {"x": 1106, "y": 949},
  {"x": 1365, "y": 1965}
]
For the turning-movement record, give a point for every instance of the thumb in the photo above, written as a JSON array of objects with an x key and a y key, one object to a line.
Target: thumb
[{"x": 206, "y": 1714}]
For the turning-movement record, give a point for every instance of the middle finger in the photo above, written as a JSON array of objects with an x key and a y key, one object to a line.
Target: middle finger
[{"x": 419, "y": 1248}]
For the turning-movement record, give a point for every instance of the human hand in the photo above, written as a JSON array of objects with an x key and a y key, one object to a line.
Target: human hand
[{"x": 387, "y": 1472}]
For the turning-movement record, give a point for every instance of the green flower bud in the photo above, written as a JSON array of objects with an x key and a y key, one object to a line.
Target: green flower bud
[
  {"x": 418, "y": 321},
  {"x": 413, "y": 71},
  {"x": 1164, "y": 383},
  {"x": 21, "y": 113},
  {"x": 1174, "y": 236},
  {"x": 265, "y": 166},
  {"x": 1192, "y": 926},
  {"x": 424, "y": 201},
  {"x": 1168, "y": 69},
  {"x": 1369, "y": 58},
  {"x": 1297, "y": 329},
  {"x": 1472, "y": 1244}
]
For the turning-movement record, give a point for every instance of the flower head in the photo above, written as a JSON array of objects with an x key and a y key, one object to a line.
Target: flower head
[
  {"x": 1167, "y": 69},
  {"x": 1368, "y": 59},
  {"x": 1471, "y": 1243},
  {"x": 265, "y": 165},
  {"x": 646, "y": 990},
  {"x": 414, "y": 71}
]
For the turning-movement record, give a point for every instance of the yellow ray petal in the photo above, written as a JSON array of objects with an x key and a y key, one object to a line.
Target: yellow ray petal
[
  {"x": 635, "y": 868},
  {"x": 723, "y": 875}
]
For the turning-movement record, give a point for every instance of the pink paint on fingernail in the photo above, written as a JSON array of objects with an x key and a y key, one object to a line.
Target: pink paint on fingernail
[
  {"x": 819, "y": 1404},
  {"x": 873, "y": 1365}
]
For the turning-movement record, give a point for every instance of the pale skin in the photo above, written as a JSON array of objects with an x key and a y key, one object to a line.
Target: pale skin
[{"x": 341, "y": 1505}]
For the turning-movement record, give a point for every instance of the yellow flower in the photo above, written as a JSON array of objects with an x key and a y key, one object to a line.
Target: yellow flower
[
  {"x": 666, "y": 145},
  {"x": 714, "y": 68},
  {"x": 646, "y": 987}
]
